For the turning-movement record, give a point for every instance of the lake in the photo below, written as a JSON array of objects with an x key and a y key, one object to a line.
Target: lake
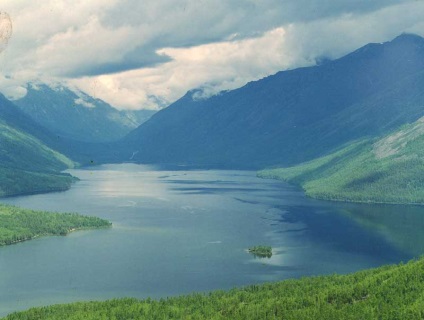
[{"x": 179, "y": 231}]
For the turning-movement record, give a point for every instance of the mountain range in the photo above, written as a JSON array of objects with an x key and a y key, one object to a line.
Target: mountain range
[
  {"x": 324, "y": 115},
  {"x": 292, "y": 116},
  {"x": 73, "y": 114}
]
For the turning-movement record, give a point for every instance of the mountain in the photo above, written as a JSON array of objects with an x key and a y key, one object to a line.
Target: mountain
[
  {"x": 75, "y": 115},
  {"x": 292, "y": 116},
  {"x": 388, "y": 169},
  {"x": 27, "y": 163}
]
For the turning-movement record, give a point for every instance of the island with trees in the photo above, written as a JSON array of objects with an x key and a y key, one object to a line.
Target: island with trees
[{"x": 261, "y": 251}]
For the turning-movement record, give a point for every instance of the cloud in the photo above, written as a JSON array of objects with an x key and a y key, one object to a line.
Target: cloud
[
  {"x": 216, "y": 66},
  {"x": 77, "y": 38},
  {"x": 146, "y": 54},
  {"x": 338, "y": 36},
  {"x": 12, "y": 89},
  {"x": 230, "y": 64},
  {"x": 84, "y": 103}
]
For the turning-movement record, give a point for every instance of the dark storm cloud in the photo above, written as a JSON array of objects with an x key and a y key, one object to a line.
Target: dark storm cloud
[{"x": 136, "y": 59}]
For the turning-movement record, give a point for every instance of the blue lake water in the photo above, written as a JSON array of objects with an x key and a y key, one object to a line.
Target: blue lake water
[{"x": 176, "y": 232}]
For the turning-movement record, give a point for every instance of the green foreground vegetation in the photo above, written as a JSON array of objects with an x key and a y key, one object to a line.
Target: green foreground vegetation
[
  {"x": 261, "y": 251},
  {"x": 389, "y": 170},
  {"x": 17, "y": 224},
  {"x": 388, "y": 292}
]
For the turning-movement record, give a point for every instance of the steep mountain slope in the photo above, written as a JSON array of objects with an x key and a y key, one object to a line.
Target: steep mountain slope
[
  {"x": 27, "y": 164},
  {"x": 388, "y": 170},
  {"x": 292, "y": 116},
  {"x": 73, "y": 114}
]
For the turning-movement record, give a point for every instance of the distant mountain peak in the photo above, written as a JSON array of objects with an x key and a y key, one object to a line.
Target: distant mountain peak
[
  {"x": 291, "y": 116},
  {"x": 69, "y": 112},
  {"x": 408, "y": 38}
]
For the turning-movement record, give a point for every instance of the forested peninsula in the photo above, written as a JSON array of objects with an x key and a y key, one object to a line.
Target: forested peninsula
[
  {"x": 16, "y": 182},
  {"x": 18, "y": 224}
]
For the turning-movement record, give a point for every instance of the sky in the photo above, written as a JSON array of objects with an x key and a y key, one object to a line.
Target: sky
[{"x": 147, "y": 54}]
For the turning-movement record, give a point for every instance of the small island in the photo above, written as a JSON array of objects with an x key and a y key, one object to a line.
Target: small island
[
  {"x": 261, "y": 251},
  {"x": 17, "y": 224}
]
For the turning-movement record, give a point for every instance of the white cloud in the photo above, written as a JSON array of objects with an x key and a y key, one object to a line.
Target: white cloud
[
  {"x": 215, "y": 45},
  {"x": 84, "y": 103},
  {"x": 12, "y": 89},
  {"x": 335, "y": 37},
  {"x": 230, "y": 64},
  {"x": 217, "y": 66}
]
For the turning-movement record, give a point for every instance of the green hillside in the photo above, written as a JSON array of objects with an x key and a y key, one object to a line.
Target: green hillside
[
  {"x": 388, "y": 170},
  {"x": 21, "y": 150},
  {"x": 389, "y": 292},
  {"x": 29, "y": 166}
]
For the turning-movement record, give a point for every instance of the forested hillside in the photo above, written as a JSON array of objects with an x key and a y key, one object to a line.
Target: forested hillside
[
  {"x": 27, "y": 163},
  {"x": 389, "y": 169},
  {"x": 389, "y": 292},
  {"x": 17, "y": 182}
]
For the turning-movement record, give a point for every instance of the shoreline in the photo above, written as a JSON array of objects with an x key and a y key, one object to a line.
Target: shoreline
[
  {"x": 30, "y": 193},
  {"x": 342, "y": 200},
  {"x": 53, "y": 235}
]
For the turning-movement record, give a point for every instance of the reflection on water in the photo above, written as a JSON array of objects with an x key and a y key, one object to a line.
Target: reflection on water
[
  {"x": 401, "y": 226},
  {"x": 182, "y": 231}
]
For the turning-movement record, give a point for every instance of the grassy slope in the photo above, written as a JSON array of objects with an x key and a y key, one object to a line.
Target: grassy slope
[
  {"x": 18, "y": 224},
  {"x": 390, "y": 170},
  {"x": 389, "y": 292},
  {"x": 29, "y": 166}
]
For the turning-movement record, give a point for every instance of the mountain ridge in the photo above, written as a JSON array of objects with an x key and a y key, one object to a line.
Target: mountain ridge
[
  {"x": 75, "y": 115},
  {"x": 276, "y": 119},
  {"x": 27, "y": 163}
]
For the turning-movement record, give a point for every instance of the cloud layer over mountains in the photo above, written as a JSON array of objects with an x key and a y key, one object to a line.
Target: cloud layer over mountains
[{"x": 147, "y": 54}]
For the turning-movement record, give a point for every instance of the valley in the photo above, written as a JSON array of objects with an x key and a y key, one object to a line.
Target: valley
[{"x": 190, "y": 186}]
